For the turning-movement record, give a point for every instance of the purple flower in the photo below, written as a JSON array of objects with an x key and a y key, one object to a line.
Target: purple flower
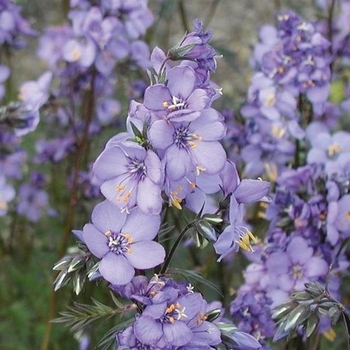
[
  {"x": 164, "y": 323},
  {"x": 252, "y": 314},
  {"x": 330, "y": 150},
  {"x": 33, "y": 199},
  {"x": 4, "y": 74},
  {"x": 82, "y": 51},
  {"x": 123, "y": 242},
  {"x": 7, "y": 193},
  {"x": 51, "y": 44},
  {"x": 131, "y": 176},
  {"x": 179, "y": 100},
  {"x": 289, "y": 270},
  {"x": 194, "y": 47},
  {"x": 236, "y": 234},
  {"x": 34, "y": 94},
  {"x": 190, "y": 146},
  {"x": 342, "y": 221}
]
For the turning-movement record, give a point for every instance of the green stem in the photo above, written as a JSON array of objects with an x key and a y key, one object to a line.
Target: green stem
[
  {"x": 211, "y": 12},
  {"x": 183, "y": 16},
  {"x": 73, "y": 200},
  {"x": 174, "y": 247},
  {"x": 330, "y": 29}
]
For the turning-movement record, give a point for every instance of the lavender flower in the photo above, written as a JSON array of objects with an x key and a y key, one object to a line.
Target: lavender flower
[
  {"x": 131, "y": 176},
  {"x": 190, "y": 145},
  {"x": 7, "y": 193},
  {"x": 4, "y": 75},
  {"x": 33, "y": 199},
  {"x": 165, "y": 322},
  {"x": 179, "y": 100},
  {"x": 123, "y": 242},
  {"x": 330, "y": 150},
  {"x": 194, "y": 47},
  {"x": 290, "y": 269}
]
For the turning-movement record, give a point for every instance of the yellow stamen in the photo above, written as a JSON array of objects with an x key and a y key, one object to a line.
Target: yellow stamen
[
  {"x": 201, "y": 318},
  {"x": 76, "y": 54},
  {"x": 271, "y": 100},
  {"x": 3, "y": 205},
  {"x": 271, "y": 171},
  {"x": 277, "y": 131},
  {"x": 192, "y": 144},
  {"x": 124, "y": 198},
  {"x": 297, "y": 271},
  {"x": 330, "y": 334},
  {"x": 170, "y": 309},
  {"x": 108, "y": 233},
  {"x": 128, "y": 237},
  {"x": 333, "y": 150},
  {"x": 120, "y": 188},
  {"x": 245, "y": 243},
  {"x": 175, "y": 201},
  {"x": 197, "y": 137}
]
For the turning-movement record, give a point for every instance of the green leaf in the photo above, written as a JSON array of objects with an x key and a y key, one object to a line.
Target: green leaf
[
  {"x": 283, "y": 309},
  {"x": 136, "y": 131},
  {"x": 334, "y": 313},
  {"x": 314, "y": 288},
  {"x": 297, "y": 317},
  {"x": 337, "y": 91},
  {"x": 302, "y": 296},
  {"x": 312, "y": 324},
  {"x": 79, "y": 316}
]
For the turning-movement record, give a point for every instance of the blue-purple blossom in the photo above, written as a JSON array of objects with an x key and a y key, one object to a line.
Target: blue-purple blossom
[
  {"x": 12, "y": 25},
  {"x": 330, "y": 150},
  {"x": 7, "y": 193},
  {"x": 33, "y": 200},
  {"x": 252, "y": 314},
  {"x": 165, "y": 322},
  {"x": 342, "y": 220},
  {"x": 194, "y": 47},
  {"x": 190, "y": 146},
  {"x": 123, "y": 242},
  {"x": 179, "y": 100},
  {"x": 288, "y": 270},
  {"x": 4, "y": 75},
  {"x": 131, "y": 176}
]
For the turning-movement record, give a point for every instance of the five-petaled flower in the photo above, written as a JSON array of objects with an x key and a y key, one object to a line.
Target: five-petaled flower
[{"x": 123, "y": 242}]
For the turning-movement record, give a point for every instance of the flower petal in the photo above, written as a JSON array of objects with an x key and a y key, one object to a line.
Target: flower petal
[
  {"x": 116, "y": 269},
  {"x": 140, "y": 226},
  {"x": 145, "y": 255},
  {"x": 95, "y": 240}
]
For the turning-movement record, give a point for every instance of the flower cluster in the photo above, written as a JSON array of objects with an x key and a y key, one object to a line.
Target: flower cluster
[
  {"x": 14, "y": 116},
  {"x": 171, "y": 316},
  {"x": 170, "y": 156},
  {"x": 292, "y": 64}
]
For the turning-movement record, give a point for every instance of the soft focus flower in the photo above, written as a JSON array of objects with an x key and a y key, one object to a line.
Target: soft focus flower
[{"x": 7, "y": 193}]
